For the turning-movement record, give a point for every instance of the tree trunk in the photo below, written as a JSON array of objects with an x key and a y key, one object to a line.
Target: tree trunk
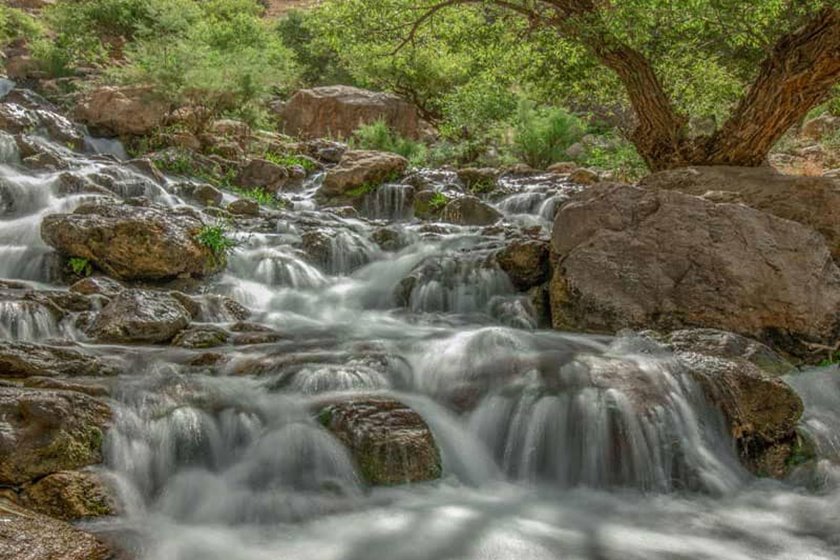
[{"x": 797, "y": 76}]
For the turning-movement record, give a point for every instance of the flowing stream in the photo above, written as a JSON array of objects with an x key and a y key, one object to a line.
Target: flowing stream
[{"x": 549, "y": 449}]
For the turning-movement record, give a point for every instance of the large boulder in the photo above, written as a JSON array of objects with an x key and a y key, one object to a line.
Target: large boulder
[
  {"x": 122, "y": 110},
  {"x": 814, "y": 201},
  {"x": 44, "y": 432},
  {"x": 26, "y": 535},
  {"x": 360, "y": 170},
  {"x": 390, "y": 442},
  {"x": 27, "y": 359},
  {"x": 140, "y": 316},
  {"x": 337, "y": 111},
  {"x": 132, "y": 242},
  {"x": 640, "y": 258}
]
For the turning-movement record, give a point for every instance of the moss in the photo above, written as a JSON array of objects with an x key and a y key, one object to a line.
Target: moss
[
  {"x": 362, "y": 190},
  {"x": 288, "y": 160}
]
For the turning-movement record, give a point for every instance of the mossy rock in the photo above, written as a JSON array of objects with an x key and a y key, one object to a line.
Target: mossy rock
[{"x": 390, "y": 443}]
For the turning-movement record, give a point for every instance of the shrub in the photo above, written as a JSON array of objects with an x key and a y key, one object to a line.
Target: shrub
[
  {"x": 80, "y": 266},
  {"x": 618, "y": 156},
  {"x": 320, "y": 64},
  {"x": 226, "y": 62},
  {"x": 216, "y": 239},
  {"x": 542, "y": 135},
  {"x": 379, "y": 136},
  {"x": 289, "y": 160},
  {"x": 438, "y": 201},
  {"x": 259, "y": 196}
]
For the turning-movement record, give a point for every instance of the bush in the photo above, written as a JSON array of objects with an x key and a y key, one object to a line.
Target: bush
[
  {"x": 16, "y": 24},
  {"x": 226, "y": 62},
  {"x": 320, "y": 64},
  {"x": 542, "y": 135},
  {"x": 216, "y": 239},
  {"x": 379, "y": 136},
  {"x": 618, "y": 156}
]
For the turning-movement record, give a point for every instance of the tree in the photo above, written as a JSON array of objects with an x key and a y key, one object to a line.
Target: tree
[{"x": 793, "y": 44}]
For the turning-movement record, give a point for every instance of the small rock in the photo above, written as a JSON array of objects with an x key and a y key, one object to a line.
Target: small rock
[
  {"x": 584, "y": 177},
  {"x": 470, "y": 211},
  {"x": 27, "y": 359},
  {"x": 526, "y": 262},
  {"x": 390, "y": 443},
  {"x": 260, "y": 173},
  {"x": 201, "y": 336},
  {"x": 244, "y": 207},
  {"x": 358, "y": 169},
  {"x": 71, "y": 496},
  {"x": 140, "y": 316}
]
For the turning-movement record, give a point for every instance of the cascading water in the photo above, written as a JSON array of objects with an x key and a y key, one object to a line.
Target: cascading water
[{"x": 552, "y": 445}]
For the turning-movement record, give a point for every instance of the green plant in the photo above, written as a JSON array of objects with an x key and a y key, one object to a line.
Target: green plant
[
  {"x": 289, "y": 160},
  {"x": 438, "y": 201},
  {"x": 542, "y": 135},
  {"x": 832, "y": 360},
  {"x": 618, "y": 156},
  {"x": 80, "y": 266},
  {"x": 215, "y": 237},
  {"x": 379, "y": 136},
  {"x": 362, "y": 190},
  {"x": 259, "y": 196}
]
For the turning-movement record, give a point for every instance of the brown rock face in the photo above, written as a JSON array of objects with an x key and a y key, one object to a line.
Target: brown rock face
[
  {"x": 390, "y": 443},
  {"x": 27, "y": 359},
  {"x": 122, "y": 110},
  {"x": 813, "y": 201},
  {"x": 26, "y": 535},
  {"x": 638, "y": 258},
  {"x": 44, "y": 432},
  {"x": 526, "y": 262},
  {"x": 140, "y": 316},
  {"x": 337, "y": 111},
  {"x": 70, "y": 496},
  {"x": 132, "y": 242},
  {"x": 361, "y": 168}
]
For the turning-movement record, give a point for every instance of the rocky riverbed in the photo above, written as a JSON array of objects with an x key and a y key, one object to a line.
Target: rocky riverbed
[{"x": 367, "y": 367}]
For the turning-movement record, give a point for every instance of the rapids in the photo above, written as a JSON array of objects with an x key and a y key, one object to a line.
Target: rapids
[{"x": 556, "y": 457}]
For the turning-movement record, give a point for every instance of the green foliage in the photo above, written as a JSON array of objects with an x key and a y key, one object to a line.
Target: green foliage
[
  {"x": 80, "y": 266},
  {"x": 618, "y": 155},
  {"x": 226, "y": 61},
  {"x": 260, "y": 196},
  {"x": 320, "y": 64},
  {"x": 832, "y": 360},
  {"x": 438, "y": 202},
  {"x": 16, "y": 24},
  {"x": 542, "y": 135},
  {"x": 217, "y": 55},
  {"x": 216, "y": 238},
  {"x": 379, "y": 136},
  {"x": 470, "y": 63},
  {"x": 362, "y": 190},
  {"x": 289, "y": 160}
]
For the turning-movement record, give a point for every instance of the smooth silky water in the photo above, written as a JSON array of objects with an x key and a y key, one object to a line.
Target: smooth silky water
[{"x": 550, "y": 448}]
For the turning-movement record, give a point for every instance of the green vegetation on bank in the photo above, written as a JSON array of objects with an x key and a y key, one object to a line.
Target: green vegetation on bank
[{"x": 499, "y": 88}]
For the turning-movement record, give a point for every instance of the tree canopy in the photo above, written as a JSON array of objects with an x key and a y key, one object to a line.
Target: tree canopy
[{"x": 692, "y": 81}]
